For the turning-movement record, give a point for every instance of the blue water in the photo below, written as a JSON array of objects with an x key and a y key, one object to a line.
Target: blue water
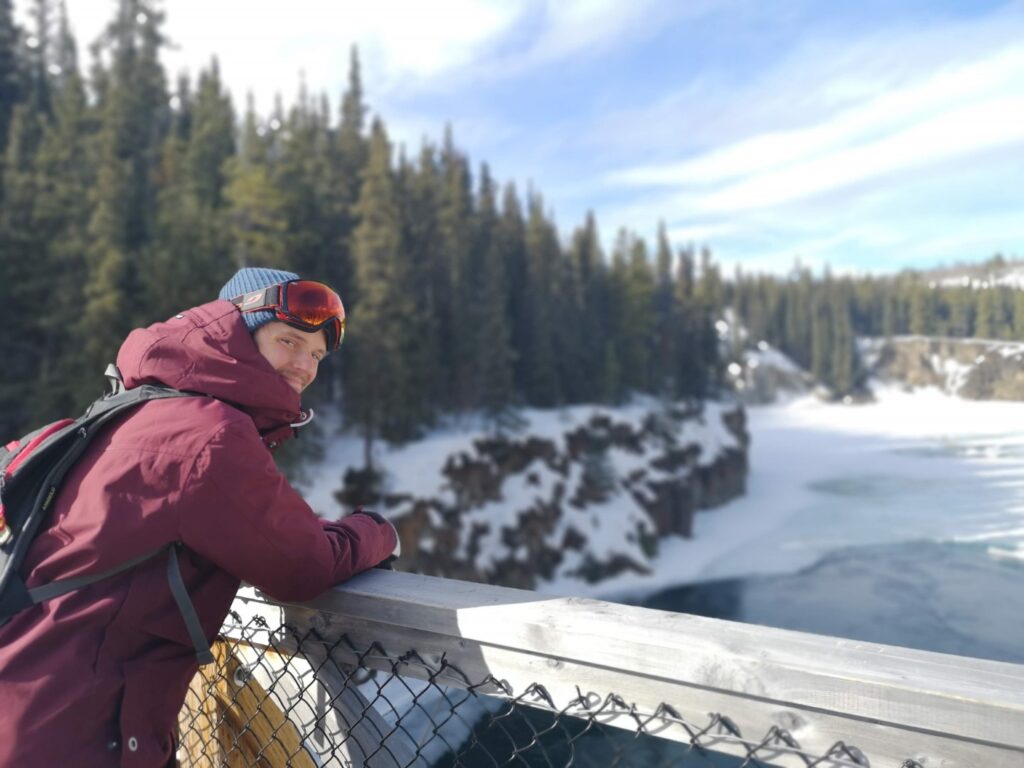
[{"x": 945, "y": 597}]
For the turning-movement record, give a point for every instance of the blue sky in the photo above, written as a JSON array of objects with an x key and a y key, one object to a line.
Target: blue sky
[{"x": 869, "y": 135}]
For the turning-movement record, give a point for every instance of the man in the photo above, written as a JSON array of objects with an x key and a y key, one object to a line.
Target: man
[{"x": 96, "y": 677}]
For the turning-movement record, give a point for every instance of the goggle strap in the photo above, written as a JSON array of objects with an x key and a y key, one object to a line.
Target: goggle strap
[{"x": 257, "y": 300}]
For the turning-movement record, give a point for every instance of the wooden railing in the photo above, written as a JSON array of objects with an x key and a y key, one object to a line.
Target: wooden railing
[{"x": 895, "y": 705}]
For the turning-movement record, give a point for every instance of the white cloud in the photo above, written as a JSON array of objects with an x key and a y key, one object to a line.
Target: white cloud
[
  {"x": 954, "y": 112},
  {"x": 263, "y": 46},
  {"x": 405, "y": 46}
]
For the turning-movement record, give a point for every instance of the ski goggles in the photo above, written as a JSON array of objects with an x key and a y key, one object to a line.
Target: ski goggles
[{"x": 303, "y": 304}]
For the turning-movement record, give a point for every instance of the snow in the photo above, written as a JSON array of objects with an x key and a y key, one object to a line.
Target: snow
[
  {"x": 911, "y": 466},
  {"x": 416, "y": 468},
  {"x": 765, "y": 354},
  {"x": 918, "y": 465}
]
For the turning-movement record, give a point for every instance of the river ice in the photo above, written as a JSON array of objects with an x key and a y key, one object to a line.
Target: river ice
[{"x": 910, "y": 467}]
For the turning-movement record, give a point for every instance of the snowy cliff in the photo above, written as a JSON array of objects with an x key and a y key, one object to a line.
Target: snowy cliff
[
  {"x": 579, "y": 494},
  {"x": 974, "y": 369}
]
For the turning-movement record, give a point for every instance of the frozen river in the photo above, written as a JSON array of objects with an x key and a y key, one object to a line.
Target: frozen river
[{"x": 900, "y": 522}]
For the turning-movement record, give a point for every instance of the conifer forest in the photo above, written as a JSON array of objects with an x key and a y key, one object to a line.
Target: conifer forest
[{"x": 126, "y": 197}]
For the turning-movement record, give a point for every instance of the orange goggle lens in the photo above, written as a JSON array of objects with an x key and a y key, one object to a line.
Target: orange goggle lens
[{"x": 303, "y": 304}]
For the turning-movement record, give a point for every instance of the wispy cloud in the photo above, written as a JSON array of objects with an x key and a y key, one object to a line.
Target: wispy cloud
[
  {"x": 927, "y": 119},
  {"x": 953, "y": 113},
  {"x": 869, "y": 133}
]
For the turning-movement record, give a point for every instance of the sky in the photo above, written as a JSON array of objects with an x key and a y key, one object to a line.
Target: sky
[{"x": 870, "y": 136}]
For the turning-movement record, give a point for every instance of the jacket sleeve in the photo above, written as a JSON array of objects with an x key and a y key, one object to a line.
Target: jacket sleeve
[{"x": 243, "y": 515}]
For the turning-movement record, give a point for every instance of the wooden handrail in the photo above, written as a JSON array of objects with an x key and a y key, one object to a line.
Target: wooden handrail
[{"x": 894, "y": 704}]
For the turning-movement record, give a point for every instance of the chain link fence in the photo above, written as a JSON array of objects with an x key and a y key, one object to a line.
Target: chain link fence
[{"x": 282, "y": 696}]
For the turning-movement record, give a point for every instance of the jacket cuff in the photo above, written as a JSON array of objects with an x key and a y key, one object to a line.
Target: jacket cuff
[{"x": 397, "y": 551}]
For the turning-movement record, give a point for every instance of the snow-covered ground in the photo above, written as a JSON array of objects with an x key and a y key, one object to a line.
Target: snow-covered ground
[
  {"x": 909, "y": 467},
  {"x": 610, "y": 528}
]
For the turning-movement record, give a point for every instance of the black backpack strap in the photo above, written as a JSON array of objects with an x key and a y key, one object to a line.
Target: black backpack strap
[
  {"x": 63, "y": 586},
  {"x": 98, "y": 414},
  {"x": 188, "y": 611},
  {"x": 54, "y": 589}
]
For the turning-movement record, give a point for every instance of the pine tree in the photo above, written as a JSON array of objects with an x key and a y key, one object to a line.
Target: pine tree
[
  {"x": 1018, "y": 315},
  {"x": 191, "y": 256},
  {"x": 455, "y": 227},
  {"x": 987, "y": 319},
  {"x": 383, "y": 325},
  {"x": 616, "y": 344},
  {"x": 346, "y": 160},
  {"x": 922, "y": 310},
  {"x": 542, "y": 307},
  {"x": 211, "y": 141},
  {"x": 61, "y": 210},
  {"x": 419, "y": 190},
  {"x": 689, "y": 345},
  {"x": 133, "y": 116},
  {"x": 844, "y": 347},
  {"x": 492, "y": 353},
  {"x": 24, "y": 246},
  {"x": 665, "y": 317},
  {"x": 583, "y": 356},
  {"x": 254, "y": 214},
  {"x": 10, "y": 65},
  {"x": 822, "y": 342},
  {"x": 510, "y": 237},
  {"x": 639, "y": 320}
]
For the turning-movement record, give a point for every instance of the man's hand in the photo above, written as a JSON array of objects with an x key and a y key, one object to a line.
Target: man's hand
[{"x": 387, "y": 563}]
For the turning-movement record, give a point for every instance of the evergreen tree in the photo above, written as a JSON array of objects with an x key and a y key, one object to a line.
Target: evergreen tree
[
  {"x": 542, "y": 306},
  {"x": 10, "y": 65},
  {"x": 890, "y": 313},
  {"x": 211, "y": 140},
  {"x": 637, "y": 320},
  {"x": 844, "y": 362},
  {"x": 419, "y": 193},
  {"x": 492, "y": 353},
  {"x": 583, "y": 356},
  {"x": 922, "y": 310},
  {"x": 510, "y": 237},
  {"x": 383, "y": 326},
  {"x": 615, "y": 346},
  {"x": 961, "y": 312},
  {"x": 254, "y": 215},
  {"x": 191, "y": 256},
  {"x": 1018, "y": 315},
  {"x": 987, "y": 319},
  {"x": 665, "y": 316},
  {"x": 134, "y": 114},
  {"x": 61, "y": 211},
  {"x": 454, "y": 286},
  {"x": 822, "y": 341}
]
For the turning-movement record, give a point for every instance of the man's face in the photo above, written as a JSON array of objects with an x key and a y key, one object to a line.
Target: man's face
[{"x": 292, "y": 353}]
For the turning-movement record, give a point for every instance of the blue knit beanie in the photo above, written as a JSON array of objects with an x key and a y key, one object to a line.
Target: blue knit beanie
[{"x": 252, "y": 279}]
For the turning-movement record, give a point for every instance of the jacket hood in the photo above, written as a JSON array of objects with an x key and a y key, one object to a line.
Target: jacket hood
[{"x": 209, "y": 350}]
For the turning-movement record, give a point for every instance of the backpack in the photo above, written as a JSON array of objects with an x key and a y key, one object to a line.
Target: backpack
[{"x": 31, "y": 471}]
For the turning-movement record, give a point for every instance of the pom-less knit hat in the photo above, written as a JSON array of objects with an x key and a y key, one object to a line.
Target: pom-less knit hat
[{"x": 252, "y": 279}]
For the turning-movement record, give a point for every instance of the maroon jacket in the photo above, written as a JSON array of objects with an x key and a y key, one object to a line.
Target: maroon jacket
[{"x": 96, "y": 677}]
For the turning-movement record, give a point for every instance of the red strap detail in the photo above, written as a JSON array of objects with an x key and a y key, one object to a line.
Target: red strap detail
[
  {"x": 13, "y": 445},
  {"x": 57, "y": 426}
]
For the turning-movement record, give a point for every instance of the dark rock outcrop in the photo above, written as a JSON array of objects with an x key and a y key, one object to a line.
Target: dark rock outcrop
[{"x": 518, "y": 510}]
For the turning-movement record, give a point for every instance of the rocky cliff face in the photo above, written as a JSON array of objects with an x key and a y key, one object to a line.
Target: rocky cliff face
[
  {"x": 585, "y": 501},
  {"x": 973, "y": 369},
  {"x": 763, "y": 375}
]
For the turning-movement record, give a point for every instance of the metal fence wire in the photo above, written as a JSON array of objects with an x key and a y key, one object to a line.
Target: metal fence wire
[{"x": 278, "y": 696}]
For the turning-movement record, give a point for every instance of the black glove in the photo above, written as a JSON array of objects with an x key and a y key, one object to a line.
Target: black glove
[{"x": 387, "y": 563}]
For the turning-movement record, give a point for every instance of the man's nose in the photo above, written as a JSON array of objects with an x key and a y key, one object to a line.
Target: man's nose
[{"x": 307, "y": 364}]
